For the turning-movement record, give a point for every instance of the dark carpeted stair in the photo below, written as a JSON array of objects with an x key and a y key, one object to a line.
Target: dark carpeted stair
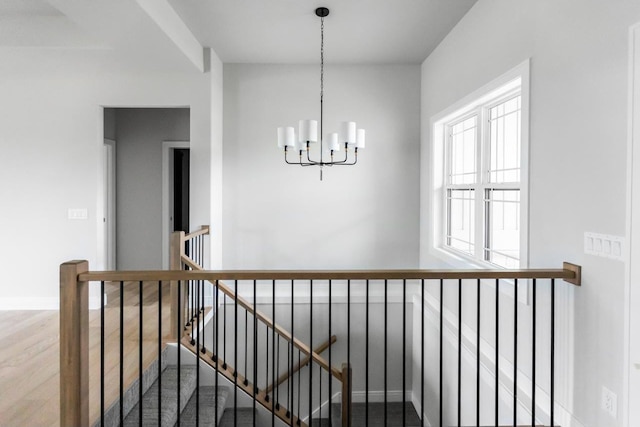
[
  {"x": 245, "y": 417},
  {"x": 169, "y": 398},
  {"x": 207, "y": 407},
  {"x": 376, "y": 415}
]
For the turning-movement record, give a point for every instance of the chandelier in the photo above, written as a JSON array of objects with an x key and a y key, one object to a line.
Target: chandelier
[{"x": 349, "y": 136}]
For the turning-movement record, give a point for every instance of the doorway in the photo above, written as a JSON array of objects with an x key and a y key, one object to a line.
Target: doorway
[
  {"x": 136, "y": 199},
  {"x": 109, "y": 213},
  {"x": 180, "y": 187},
  {"x": 175, "y": 192}
]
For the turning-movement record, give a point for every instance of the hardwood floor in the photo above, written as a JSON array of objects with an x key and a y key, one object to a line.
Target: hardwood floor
[{"x": 30, "y": 354}]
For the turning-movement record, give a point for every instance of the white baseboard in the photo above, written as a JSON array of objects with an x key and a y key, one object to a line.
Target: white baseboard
[
  {"x": 416, "y": 405},
  {"x": 12, "y": 304},
  {"x": 39, "y": 304}
]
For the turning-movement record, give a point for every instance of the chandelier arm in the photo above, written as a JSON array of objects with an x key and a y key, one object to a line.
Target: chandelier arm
[
  {"x": 314, "y": 162},
  {"x": 346, "y": 157},
  {"x": 298, "y": 163},
  {"x": 350, "y": 164}
]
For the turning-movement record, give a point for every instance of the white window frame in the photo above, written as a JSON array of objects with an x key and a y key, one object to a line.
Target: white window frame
[{"x": 493, "y": 91}]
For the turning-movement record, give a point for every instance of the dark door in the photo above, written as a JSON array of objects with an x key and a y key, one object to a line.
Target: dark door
[{"x": 181, "y": 189}]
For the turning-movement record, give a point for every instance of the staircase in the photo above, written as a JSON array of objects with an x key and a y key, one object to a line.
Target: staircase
[
  {"x": 208, "y": 396},
  {"x": 265, "y": 397}
]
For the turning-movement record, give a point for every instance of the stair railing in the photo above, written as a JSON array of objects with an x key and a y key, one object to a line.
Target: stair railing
[
  {"x": 188, "y": 248},
  {"x": 78, "y": 389}
]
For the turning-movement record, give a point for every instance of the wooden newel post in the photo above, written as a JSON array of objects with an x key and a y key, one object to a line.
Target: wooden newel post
[
  {"x": 346, "y": 395},
  {"x": 74, "y": 345},
  {"x": 176, "y": 250}
]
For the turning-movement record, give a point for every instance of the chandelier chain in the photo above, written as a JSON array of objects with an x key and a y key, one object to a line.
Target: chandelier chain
[{"x": 321, "y": 83}]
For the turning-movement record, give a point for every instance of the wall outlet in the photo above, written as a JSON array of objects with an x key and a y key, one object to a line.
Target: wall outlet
[{"x": 609, "y": 402}]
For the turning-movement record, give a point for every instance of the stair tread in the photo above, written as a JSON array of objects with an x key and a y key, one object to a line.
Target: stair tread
[
  {"x": 376, "y": 414},
  {"x": 207, "y": 407},
  {"x": 169, "y": 398},
  {"x": 245, "y": 417},
  {"x": 130, "y": 398}
]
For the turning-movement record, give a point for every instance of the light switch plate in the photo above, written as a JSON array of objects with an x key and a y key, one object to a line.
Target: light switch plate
[
  {"x": 604, "y": 245},
  {"x": 78, "y": 213}
]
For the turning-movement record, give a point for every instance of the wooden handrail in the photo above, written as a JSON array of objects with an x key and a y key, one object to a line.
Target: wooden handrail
[
  {"x": 203, "y": 230},
  {"x": 570, "y": 273},
  {"x": 266, "y": 320},
  {"x": 280, "y": 331},
  {"x": 237, "y": 378},
  {"x": 321, "y": 348},
  {"x": 190, "y": 263}
]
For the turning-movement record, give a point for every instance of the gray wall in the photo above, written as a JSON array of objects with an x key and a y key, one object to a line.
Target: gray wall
[
  {"x": 139, "y": 136},
  {"x": 282, "y": 216},
  {"x": 578, "y": 146}
]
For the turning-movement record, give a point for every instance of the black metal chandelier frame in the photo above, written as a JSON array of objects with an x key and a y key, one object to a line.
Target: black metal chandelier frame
[{"x": 321, "y": 12}]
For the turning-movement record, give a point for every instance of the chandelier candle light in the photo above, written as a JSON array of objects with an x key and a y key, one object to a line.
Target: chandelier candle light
[{"x": 349, "y": 135}]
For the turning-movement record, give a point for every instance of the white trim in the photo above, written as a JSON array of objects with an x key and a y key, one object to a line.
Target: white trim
[
  {"x": 109, "y": 211},
  {"x": 167, "y": 166},
  {"x": 320, "y": 299},
  {"x": 323, "y": 411},
  {"x": 416, "y": 404},
  {"x": 320, "y": 293},
  {"x": 499, "y": 86},
  {"x": 633, "y": 192}
]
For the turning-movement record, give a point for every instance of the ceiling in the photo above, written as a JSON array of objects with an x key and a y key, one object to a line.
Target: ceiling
[
  {"x": 288, "y": 31},
  {"x": 240, "y": 31}
]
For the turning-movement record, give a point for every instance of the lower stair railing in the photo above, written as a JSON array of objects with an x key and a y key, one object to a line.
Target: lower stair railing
[
  {"x": 262, "y": 334},
  {"x": 269, "y": 396}
]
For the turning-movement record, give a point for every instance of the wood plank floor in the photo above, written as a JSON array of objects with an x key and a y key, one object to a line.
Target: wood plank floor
[{"x": 30, "y": 354}]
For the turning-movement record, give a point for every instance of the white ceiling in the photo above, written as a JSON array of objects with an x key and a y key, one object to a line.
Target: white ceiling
[
  {"x": 35, "y": 23},
  {"x": 288, "y": 31},
  {"x": 164, "y": 32},
  {"x": 27, "y": 8}
]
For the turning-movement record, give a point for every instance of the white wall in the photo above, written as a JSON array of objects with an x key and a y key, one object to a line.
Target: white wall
[
  {"x": 51, "y": 134},
  {"x": 140, "y": 134},
  {"x": 212, "y": 159},
  {"x": 301, "y": 330},
  {"x": 578, "y": 134},
  {"x": 282, "y": 216}
]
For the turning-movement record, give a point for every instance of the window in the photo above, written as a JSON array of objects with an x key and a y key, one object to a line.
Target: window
[{"x": 481, "y": 190}]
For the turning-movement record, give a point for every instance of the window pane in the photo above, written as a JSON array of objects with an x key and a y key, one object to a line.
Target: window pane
[
  {"x": 502, "y": 246},
  {"x": 504, "y": 134},
  {"x": 460, "y": 220},
  {"x": 462, "y": 152}
]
